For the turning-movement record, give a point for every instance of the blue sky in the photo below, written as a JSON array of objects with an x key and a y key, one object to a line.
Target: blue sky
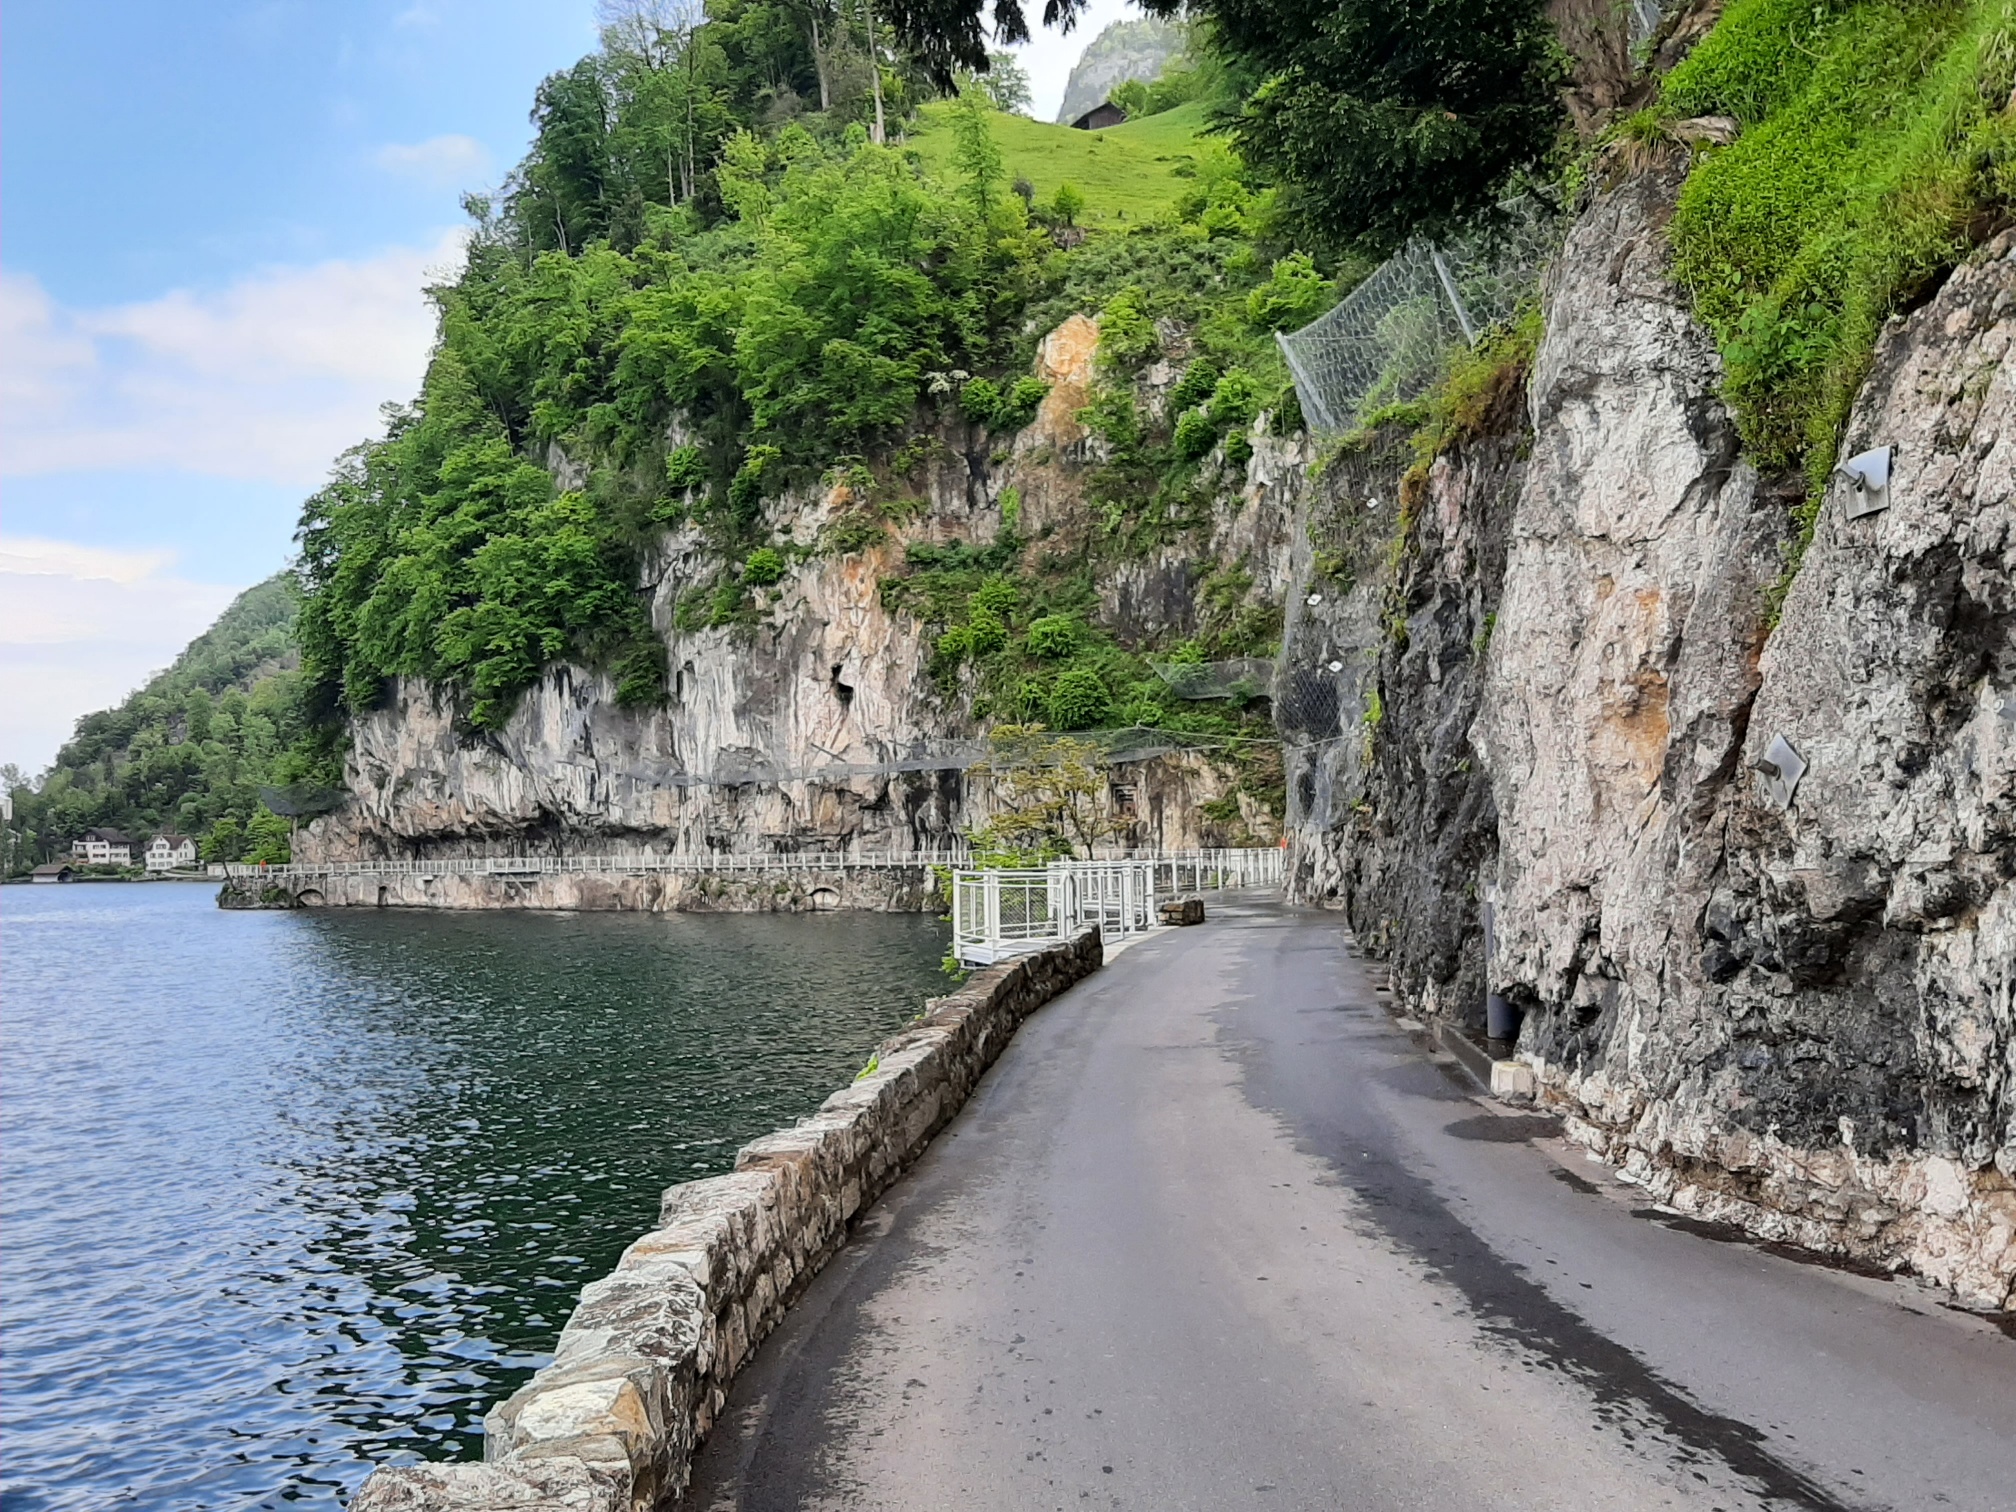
[{"x": 219, "y": 219}]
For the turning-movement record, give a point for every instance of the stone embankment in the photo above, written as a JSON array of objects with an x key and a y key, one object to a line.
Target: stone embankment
[
  {"x": 801, "y": 890},
  {"x": 644, "y": 1364}
]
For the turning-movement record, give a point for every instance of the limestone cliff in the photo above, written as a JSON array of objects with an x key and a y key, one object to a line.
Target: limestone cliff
[
  {"x": 825, "y": 675},
  {"x": 1555, "y": 698}
]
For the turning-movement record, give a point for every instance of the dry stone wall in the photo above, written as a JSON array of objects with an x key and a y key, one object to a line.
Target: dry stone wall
[{"x": 644, "y": 1364}]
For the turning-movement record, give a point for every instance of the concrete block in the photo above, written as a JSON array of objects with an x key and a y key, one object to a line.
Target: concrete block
[{"x": 1513, "y": 1081}]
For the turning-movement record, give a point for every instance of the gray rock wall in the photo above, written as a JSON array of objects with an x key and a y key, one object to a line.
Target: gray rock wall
[
  {"x": 826, "y": 675},
  {"x": 644, "y": 1363},
  {"x": 1799, "y": 1020}
]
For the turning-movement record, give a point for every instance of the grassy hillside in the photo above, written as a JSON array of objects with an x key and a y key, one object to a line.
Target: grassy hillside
[
  {"x": 189, "y": 750},
  {"x": 1128, "y": 174}
]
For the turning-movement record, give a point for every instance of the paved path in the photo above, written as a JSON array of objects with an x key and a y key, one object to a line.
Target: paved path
[{"x": 1214, "y": 1234}]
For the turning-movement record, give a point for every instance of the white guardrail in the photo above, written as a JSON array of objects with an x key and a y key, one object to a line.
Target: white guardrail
[{"x": 998, "y": 913}]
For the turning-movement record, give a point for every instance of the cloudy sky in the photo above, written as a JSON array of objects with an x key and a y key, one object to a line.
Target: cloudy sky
[{"x": 220, "y": 218}]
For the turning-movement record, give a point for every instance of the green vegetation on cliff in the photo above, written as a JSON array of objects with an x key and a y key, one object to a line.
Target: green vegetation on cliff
[
  {"x": 824, "y": 308},
  {"x": 1876, "y": 139}
]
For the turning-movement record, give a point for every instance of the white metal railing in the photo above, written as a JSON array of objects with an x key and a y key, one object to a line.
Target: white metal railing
[{"x": 1000, "y": 912}]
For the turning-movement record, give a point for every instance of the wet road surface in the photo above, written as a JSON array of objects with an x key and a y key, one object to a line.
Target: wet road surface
[{"x": 1214, "y": 1233}]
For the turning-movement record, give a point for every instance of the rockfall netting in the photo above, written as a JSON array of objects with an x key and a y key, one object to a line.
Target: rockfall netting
[
  {"x": 1389, "y": 339},
  {"x": 739, "y": 766},
  {"x": 1241, "y": 677}
]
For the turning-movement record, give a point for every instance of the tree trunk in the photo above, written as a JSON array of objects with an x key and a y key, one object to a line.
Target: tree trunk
[
  {"x": 819, "y": 66},
  {"x": 880, "y": 137}
]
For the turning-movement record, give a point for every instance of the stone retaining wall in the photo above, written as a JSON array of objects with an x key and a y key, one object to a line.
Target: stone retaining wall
[
  {"x": 644, "y": 1364},
  {"x": 875, "y": 889}
]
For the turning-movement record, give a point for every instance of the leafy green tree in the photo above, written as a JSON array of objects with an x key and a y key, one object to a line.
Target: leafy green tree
[
  {"x": 225, "y": 842},
  {"x": 268, "y": 840},
  {"x": 1079, "y": 699},
  {"x": 1051, "y": 798},
  {"x": 976, "y": 154},
  {"x": 1005, "y": 83}
]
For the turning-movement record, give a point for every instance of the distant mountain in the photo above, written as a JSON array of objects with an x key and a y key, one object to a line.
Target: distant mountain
[{"x": 1125, "y": 50}]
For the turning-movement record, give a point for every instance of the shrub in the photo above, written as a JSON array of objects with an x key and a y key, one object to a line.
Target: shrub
[
  {"x": 1126, "y": 334},
  {"x": 1112, "y": 417},
  {"x": 1067, "y": 204},
  {"x": 981, "y": 400},
  {"x": 1020, "y": 403},
  {"x": 1054, "y": 636},
  {"x": 685, "y": 468},
  {"x": 1195, "y": 435},
  {"x": 745, "y": 491},
  {"x": 1078, "y": 699},
  {"x": 764, "y": 567},
  {"x": 1235, "y": 401},
  {"x": 985, "y": 632},
  {"x": 1195, "y": 386},
  {"x": 998, "y": 596},
  {"x": 1294, "y": 294}
]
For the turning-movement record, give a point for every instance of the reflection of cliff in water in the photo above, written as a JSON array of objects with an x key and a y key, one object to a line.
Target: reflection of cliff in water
[
  {"x": 547, "y": 1077},
  {"x": 413, "y": 1138}
]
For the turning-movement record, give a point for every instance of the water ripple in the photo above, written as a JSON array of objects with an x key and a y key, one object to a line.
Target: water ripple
[{"x": 287, "y": 1195}]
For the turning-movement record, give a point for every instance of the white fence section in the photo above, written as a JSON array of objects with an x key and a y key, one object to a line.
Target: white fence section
[{"x": 998, "y": 913}]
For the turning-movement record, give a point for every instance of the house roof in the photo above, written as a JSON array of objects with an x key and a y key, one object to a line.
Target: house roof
[
  {"x": 174, "y": 839},
  {"x": 1100, "y": 116},
  {"x": 109, "y": 836},
  {"x": 51, "y": 869}
]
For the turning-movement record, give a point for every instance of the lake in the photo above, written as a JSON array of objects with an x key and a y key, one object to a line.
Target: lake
[{"x": 286, "y": 1195}]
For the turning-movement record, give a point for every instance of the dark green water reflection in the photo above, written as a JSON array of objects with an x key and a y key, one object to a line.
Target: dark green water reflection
[{"x": 285, "y": 1195}]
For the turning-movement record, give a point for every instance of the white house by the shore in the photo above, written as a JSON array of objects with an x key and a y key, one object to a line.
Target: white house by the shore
[
  {"x": 103, "y": 847},
  {"x": 168, "y": 850}
]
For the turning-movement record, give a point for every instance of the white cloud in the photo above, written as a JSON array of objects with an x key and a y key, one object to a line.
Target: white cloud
[
  {"x": 266, "y": 379},
  {"x": 443, "y": 162},
  {"x": 80, "y": 628}
]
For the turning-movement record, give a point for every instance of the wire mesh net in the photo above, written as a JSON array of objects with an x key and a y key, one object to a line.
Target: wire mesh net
[
  {"x": 1388, "y": 340},
  {"x": 740, "y": 766},
  {"x": 1241, "y": 677}
]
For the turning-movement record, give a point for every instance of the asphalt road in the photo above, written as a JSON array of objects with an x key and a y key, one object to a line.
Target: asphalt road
[{"x": 1214, "y": 1233}]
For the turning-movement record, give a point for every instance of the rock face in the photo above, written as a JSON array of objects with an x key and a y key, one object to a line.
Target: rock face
[
  {"x": 644, "y": 1364},
  {"x": 1795, "y": 1018},
  {"x": 820, "y": 726},
  {"x": 1137, "y": 49}
]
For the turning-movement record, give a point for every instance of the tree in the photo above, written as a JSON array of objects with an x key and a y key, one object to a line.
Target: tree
[
  {"x": 1051, "y": 794},
  {"x": 976, "y": 154},
  {"x": 1388, "y": 118},
  {"x": 268, "y": 840},
  {"x": 225, "y": 842},
  {"x": 1006, "y": 83}
]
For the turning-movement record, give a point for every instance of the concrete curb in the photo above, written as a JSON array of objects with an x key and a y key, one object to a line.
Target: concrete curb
[{"x": 644, "y": 1363}]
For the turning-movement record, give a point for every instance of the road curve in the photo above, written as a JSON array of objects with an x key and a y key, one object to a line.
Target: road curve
[{"x": 1214, "y": 1233}]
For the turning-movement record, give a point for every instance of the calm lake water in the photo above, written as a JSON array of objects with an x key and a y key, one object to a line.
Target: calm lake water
[{"x": 286, "y": 1195}]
